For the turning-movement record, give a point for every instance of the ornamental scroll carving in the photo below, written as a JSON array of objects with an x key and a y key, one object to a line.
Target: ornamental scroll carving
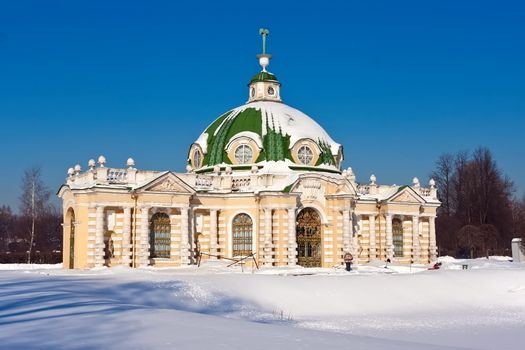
[
  {"x": 167, "y": 185},
  {"x": 311, "y": 190},
  {"x": 405, "y": 197}
]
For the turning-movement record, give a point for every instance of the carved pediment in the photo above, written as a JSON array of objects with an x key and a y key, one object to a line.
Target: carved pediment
[
  {"x": 168, "y": 183},
  {"x": 406, "y": 196}
]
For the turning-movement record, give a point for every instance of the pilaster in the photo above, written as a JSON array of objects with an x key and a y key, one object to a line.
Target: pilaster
[
  {"x": 372, "y": 237},
  {"x": 432, "y": 244},
  {"x": 268, "y": 254},
  {"x": 126, "y": 237},
  {"x": 99, "y": 236},
  {"x": 416, "y": 248},
  {"x": 389, "y": 238},
  {"x": 292, "y": 244},
  {"x": 213, "y": 234},
  {"x": 184, "y": 231},
  {"x": 142, "y": 244}
]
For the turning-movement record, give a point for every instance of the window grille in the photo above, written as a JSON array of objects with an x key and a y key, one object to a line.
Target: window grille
[
  {"x": 242, "y": 235},
  {"x": 243, "y": 154},
  {"x": 397, "y": 237},
  {"x": 305, "y": 155}
]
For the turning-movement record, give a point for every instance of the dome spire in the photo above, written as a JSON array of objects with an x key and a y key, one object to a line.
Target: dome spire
[
  {"x": 264, "y": 85},
  {"x": 264, "y": 58}
]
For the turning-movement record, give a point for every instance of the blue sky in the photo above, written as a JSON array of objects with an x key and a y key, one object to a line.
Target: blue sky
[{"x": 396, "y": 82}]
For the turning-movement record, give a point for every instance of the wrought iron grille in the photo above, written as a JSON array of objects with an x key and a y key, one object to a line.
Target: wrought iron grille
[
  {"x": 397, "y": 237},
  {"x": 308, "y": 232},
  {"x": 160, "y": 236},
  {"x": 242, "y": 235}
]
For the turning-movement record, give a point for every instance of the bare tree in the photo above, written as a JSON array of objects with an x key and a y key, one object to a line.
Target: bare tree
[
  {"x": 474, "y": 191},
  {"x": 443, "y": 175},
  {"x": 34, "y": 201}
]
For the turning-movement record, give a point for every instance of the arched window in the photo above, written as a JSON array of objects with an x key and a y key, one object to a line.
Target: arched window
[
  {"x": 242, "y": 229},
  {"x": 160, "y": 236},
  {"x": 243, "y": 154},
  {"x": 397, "y": 237}
]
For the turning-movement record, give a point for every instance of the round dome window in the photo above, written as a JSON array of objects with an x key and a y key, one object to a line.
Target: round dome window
[
  {"x": 271, "y": 91},
  {"x": 305, "y": 155},
  {"x": 243, "y": 154}
]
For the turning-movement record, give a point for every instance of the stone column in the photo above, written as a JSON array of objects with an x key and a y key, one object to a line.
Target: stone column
[
  {"x": 99, "y": 237},
  {"x": 268, "y": 243},
  {"x": 213, "y": 233},
  {"x": 416, "y": 249},
  {"x": 142, "y": 248},
  {"x": 346, "y": 231},
  {"x": 389, "y": 240},
  {"x": 292, "y": 244},
  {"x": 432, "y": 246},
  {"x": 372, "y": 237},
  {"x": 184, "y": 232},
  {"x": 126, "y": 237}
]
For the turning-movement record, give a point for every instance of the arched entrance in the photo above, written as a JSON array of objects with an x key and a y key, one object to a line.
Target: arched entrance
[
  {"x": 71, "y": 222},
  {"x": 308, "y": 232},
  {"x": 160, "y": 236}
]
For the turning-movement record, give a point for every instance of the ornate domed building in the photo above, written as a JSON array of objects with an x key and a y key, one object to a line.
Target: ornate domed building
[{"x": 263, "y": 180}]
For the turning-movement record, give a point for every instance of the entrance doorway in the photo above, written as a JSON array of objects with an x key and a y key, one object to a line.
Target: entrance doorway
[{"x": 308, "y": 232}]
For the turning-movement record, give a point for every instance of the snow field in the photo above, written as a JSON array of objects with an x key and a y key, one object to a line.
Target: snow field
[{"x": 213, "y": 306}]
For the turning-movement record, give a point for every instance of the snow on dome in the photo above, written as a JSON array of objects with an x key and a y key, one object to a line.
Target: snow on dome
[{"x": 258, "y": 119}]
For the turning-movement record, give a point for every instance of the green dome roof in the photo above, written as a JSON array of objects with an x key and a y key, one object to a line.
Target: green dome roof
[{"x": 263, "y": 76}]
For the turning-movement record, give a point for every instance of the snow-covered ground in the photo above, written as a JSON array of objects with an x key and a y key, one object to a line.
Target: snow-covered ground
[{"x": 215, "y": 307}]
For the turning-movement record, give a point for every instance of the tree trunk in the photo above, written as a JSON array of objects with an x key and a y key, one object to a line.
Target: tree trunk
[{"x": 32, "y": 222}]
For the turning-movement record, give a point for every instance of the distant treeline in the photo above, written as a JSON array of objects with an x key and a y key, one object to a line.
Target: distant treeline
[
  {"x": 479, "y": 214},
  {"x": 35, "y": 233}
]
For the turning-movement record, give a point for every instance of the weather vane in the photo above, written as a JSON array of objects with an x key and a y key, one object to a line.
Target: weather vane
[{"x": 264, "y": 33}]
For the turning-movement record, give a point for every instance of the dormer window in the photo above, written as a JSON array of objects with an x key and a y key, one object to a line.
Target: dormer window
[
  {"x": 305, "y": 155},
  {"x": 197, "y": 158},
  {"x": 243, "y": 154}
]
